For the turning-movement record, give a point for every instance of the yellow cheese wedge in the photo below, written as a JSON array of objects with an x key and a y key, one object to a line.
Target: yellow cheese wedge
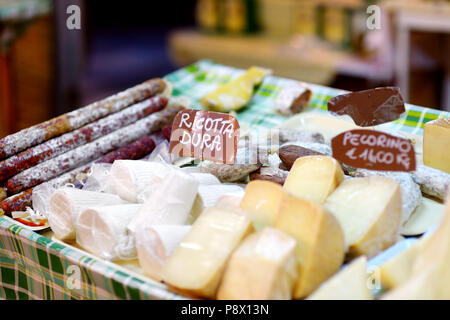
[
  {"x": 397, "y": 270},
  {"x": 314, "y": 178},
  {"x": 369, "y": 211},
  {"x": 426, "y": 216},
  {"x": 434, "y": 256},
  {"x": 420, "y": 287},
  {"x": 436, "y": 144},
  {"x": 263, "y": 267},
  {"x": 320, "y": 242},
  {"x": 348, "y": 284},
  {"x": 198, "y": 262},
  {"x": 235, "y": 94},
  {"x": 262, "y": 201}
]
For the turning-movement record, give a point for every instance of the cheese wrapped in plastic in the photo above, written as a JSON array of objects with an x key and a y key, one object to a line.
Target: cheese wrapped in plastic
[
  {"x": 155, "y": 244},
  {"x": 66, "y": 205},
  {"x": 198, "y": 262},
  {"x": 103, "y": 231},
  {"x": 170, "y": 204},
  {"x": 128, "y": 178},
  {"x": 235, "y": 94}
]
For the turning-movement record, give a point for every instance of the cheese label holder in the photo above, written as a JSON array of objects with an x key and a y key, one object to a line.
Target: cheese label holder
[
  {"x": 374, "y": 150},
  {"x": 205, "y": 135}
]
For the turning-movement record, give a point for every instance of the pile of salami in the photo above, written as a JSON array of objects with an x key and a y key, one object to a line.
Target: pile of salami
[{"x": 57, "y": 151}]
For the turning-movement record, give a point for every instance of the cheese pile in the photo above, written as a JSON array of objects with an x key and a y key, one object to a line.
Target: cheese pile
[{"x": 213, "y": 240}]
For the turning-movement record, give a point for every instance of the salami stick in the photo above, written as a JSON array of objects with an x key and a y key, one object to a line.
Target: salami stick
[
  {"x": 71, "y": 140},
  {"x": 90, "y": 151},
  {"x": 32, "y": 136},
  {"x": 18, "y": 202},
  {"x": 134, "y": 151},
  {"x": 21, "y": 201}
]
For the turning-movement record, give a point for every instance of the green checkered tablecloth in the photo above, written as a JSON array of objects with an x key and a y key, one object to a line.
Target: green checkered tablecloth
[{"x": 35, "y": 267}]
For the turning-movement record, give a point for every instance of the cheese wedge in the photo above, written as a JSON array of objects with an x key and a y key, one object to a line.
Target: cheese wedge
[
  {"x": 170, "y": 204},
  {"x": 314, "y": 178},
  {"x": 197, "y": 208},
  {"x": 262, "y": 202},
  {"x": 155, "y": 244},
  {"x": 397, "y": 270},
  {"x": 129, "y": 178},
  {"x": 235, "y": 94},
  {"x": 436, "y": 144},
  {"x": 263, "y": 267},
  {"x": 103, "y": 231},
  {"x": 422, "y": 286},
  {"x": 351, "y": 283},
  {"x": 66, "y": 205},
  {"x": 320, "y": 241},
  {"x": 369, "y": 211},
  {"x": 198, "y": 262},
  {"x": 434, "y": 256}
]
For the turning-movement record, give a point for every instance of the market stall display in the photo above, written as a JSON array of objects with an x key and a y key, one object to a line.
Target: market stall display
[{"x": 206, "y": 231}]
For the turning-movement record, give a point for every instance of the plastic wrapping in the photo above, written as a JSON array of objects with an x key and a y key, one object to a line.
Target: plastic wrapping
[
  {"x": 97, "y": 178},
  {"x": 103, "y": 231},
  {"x": 292, "y": 99},
  {"x": 211, "y": 193},
  {"x": 170, "y": 203},
  {"x": 129, "y": 178},
  {"x": 155, "y": 244}
]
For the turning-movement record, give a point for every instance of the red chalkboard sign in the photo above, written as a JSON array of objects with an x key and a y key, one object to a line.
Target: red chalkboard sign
[
  {"x": 205, "y": 135},
  {"x": 374, "y": 150}
]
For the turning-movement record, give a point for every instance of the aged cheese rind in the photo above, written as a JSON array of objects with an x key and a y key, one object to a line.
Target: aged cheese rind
[
  {"x": 436, "y": 144},
  {"x": 262, "y": 202},
  {"x": 351, "y": 283},
  {"x": 314, "y": 178},
  {"x": 320, "y": 247},
  {"x": 204, "y": 251},
  {"x": 369, "y": 211},
  {"x": 263, "y": 267}
]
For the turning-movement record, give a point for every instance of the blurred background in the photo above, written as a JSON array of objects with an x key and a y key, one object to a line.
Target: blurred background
[{"x": 47, "y": 69}]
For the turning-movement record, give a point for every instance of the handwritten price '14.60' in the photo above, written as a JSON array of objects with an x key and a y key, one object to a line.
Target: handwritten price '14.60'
[
  {"x": 380, "y": 157},
  {"x": 374, "y": 150}
]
